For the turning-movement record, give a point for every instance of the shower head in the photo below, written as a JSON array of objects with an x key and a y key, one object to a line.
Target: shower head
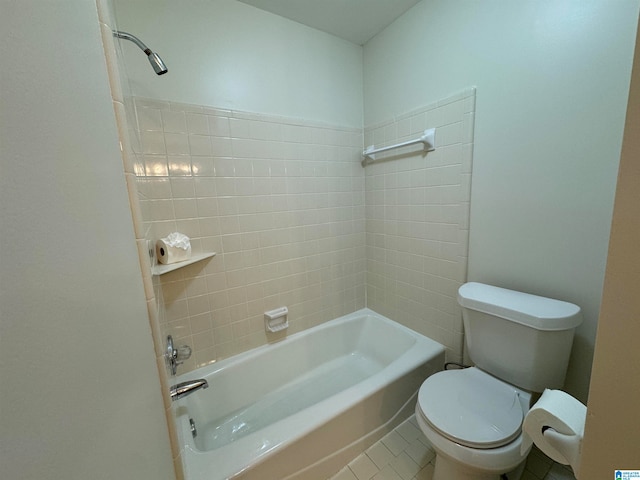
[
  {"x": 156, "y": 62},
  {"x": 154, "y": 59}
]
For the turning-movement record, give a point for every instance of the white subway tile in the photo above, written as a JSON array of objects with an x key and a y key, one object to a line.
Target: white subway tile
[
  {"x": 173, "y": 122},
  {"x": 205, "y": 186},
  {"x": 149, "y": 119},
  {"x": 155, "y": 165},
  {"x": 239, "y": 128},
  {"x": 203, "y": 166},
  {"x": 179, "y": 165},
  {"x": 200, "y": 145},
  {"x": 221, "y": 147},
  {"x": 219, "y": 126},
  {"x": 176, "y": 143},
  {"x": 197, "y": 123},
  {"x": 185, "y": 208},
  {"x": 153, "y": 142}
]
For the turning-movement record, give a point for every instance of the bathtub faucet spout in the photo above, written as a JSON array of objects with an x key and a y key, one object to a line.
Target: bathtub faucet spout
[{"x": 186, "y": 388}]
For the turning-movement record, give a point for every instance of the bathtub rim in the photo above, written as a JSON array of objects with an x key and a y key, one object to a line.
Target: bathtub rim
[{"x": 214, "y": 367}]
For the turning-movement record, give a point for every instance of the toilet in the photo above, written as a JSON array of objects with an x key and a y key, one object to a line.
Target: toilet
[{"x": 520, "y": 345}]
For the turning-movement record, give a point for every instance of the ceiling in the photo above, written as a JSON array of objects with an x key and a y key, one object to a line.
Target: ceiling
[{"x": 354, "y": 20}]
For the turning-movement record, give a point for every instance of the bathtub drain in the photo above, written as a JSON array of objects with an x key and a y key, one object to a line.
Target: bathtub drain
[{"x": 194, "y": 431}]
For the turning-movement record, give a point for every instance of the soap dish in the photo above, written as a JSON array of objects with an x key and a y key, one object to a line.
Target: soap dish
[{"x": 276, "y": 320}]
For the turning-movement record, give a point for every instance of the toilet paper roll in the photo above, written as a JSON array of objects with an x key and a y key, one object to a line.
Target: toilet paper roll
[
  {"x": 167, "y": 253},
  {"x": 556, "y": 425}
]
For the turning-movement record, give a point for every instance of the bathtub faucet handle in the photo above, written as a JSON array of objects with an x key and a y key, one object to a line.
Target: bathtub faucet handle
[
  {"x": 175, "y": 356},
  {"x": 184, "y": 352}
]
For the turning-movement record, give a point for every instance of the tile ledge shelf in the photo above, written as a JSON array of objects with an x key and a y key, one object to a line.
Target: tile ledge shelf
[{"x": 161, "y": 269}]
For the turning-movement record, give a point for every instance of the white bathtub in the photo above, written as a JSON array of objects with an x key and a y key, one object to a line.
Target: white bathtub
[{"x": 305, "y": 406}]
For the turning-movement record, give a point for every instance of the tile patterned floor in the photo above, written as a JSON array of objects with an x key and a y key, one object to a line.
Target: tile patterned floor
[{"x": 405, "y": 454}]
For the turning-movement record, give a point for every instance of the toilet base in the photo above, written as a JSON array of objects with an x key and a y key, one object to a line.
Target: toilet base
[{"x": 447, "y": 469}]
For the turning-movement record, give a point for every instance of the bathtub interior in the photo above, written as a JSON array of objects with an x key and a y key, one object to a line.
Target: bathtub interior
[
  {"x": 320, "y": 383},
  {"x": 261, "y": 389}
]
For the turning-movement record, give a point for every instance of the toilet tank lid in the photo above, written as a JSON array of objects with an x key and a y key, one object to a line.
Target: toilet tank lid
[{"x": 536, "y": 312}]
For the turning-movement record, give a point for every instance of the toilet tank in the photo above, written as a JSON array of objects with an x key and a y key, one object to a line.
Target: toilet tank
[{"x": 520, "y": 338}]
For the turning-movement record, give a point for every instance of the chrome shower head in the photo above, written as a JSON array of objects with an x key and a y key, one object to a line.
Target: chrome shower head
[
  {"x": 156, "y": 62},
  {"x": 154, "y": 59}
]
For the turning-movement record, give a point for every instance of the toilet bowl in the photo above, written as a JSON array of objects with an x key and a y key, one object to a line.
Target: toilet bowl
[
  {"x": 473, "y": 421},
  {"x": 520, "y": 344}
]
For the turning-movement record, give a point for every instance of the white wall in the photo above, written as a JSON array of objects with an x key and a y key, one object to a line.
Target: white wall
[
  {"x": 552, "y": 80},
  {"x": 227, "y": 54},
  {"x": 80, "y": 388}
]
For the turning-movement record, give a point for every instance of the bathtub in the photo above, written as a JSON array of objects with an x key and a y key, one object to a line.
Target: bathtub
[{"x": 304, "y": 407}]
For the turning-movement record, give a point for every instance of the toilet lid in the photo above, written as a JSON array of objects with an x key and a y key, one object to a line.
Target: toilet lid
[{"x": 471, "y": 408}]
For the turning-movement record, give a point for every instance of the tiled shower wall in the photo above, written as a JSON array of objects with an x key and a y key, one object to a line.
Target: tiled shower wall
[
  {"x": 417, "y": 219},
  {"x": 280, "y": 200},
  {"x": 295, "y": 220}
]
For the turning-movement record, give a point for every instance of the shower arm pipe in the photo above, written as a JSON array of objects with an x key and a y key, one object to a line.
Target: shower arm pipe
[
  {"x": 132, "y": 38},
  {"x": 154, "y": 59},
  {"x": 427, "y": 139}
]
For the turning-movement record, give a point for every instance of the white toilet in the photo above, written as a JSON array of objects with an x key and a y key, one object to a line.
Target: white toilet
[{"x": 472, "y": 417}]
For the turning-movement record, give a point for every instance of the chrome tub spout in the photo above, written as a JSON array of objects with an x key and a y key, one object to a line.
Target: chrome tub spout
[{"x": 186, "y": 388}]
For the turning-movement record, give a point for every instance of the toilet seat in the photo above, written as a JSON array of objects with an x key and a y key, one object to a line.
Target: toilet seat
[{"x": 471, "y": 408}]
